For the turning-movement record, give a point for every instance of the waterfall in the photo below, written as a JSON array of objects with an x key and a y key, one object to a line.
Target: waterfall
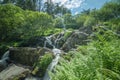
[
  {"x": 49, "y": 41},
  {"x": 56, "y": 53},
  {"x": 59, "y": 37},
  {"x": 53, "y": 63},
  {"x": 55, "y": 50},
  {"x": 4, "y": 58}
]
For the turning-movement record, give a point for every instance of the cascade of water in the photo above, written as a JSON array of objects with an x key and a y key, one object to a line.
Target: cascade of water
[
  {"x": 49, "y": 41},
  {"x": 32, "y": 78},
  {"x": 59, "y": 37},
  {"x": 56, "y": 51},
  {"x": 4, "y": 58},
  {"x": 53, "y": 63},
  {"x": 6, "y": 55},
  {"x": 55, "y": 43}
]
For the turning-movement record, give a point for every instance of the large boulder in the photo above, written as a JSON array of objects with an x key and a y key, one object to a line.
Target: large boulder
[
  {"x": 14, "y": 72},
  {"x": 26, "y": 55},
  {"x": 77, "y": 38}
]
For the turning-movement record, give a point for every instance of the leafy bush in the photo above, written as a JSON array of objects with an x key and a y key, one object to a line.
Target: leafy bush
[
  {"x": 89, "y": 22},
  {"x": 42, "y": 64},
  {"x": 109, "y": 11},
  {"x": 11, "y": 19},
  {"x": 17, "y": 25},
  {"x": 70, "y": 21},
  {"x": 59, "y": 23},
  {"x": 37, "y": 23},
  {"x": 100, "y": 63},
  {"x": 80, "y": 20}
]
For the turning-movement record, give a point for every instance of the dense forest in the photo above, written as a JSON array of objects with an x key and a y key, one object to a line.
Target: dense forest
[{"x": 90, "y": 42}]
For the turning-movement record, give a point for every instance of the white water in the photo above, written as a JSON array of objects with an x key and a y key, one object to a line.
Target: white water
[
  {"x": 32, "y": 78},
  {"x": 4, "y": 58},
  {"x": 55, "y": 50},
  {"x": 49, "y": 41},
  {"x": 52, "y": 64},
  {"x": 59, "y": 37}
]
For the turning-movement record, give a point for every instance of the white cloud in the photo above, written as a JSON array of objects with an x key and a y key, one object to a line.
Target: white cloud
[
  {"x": 62, "y": 2},
  {"x": 74, "y": 4},
  {"x": 69, "y": 3}
]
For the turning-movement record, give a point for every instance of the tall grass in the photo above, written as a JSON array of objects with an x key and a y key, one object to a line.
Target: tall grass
[{"x": 101, "y": 61}]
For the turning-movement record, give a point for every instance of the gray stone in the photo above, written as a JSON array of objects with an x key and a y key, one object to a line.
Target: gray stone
[
  {"x": 26, "y": 55},
  {"x": 14, "y": 72},
  {"x": 77, "y": 38}
]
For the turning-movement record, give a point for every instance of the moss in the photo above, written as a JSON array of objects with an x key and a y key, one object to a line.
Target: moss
[
  {"x": 42, "y": 64},
  {"x": 24, "y": 55}
]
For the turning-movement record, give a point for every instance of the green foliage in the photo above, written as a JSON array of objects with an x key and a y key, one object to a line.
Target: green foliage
[
  {"x": 42, "y": 64},
  {"x": 67, "y": 20},
  {"x": 69, "y": 56},
  {"x": 17, "y": 25},
  {"x": 70, "y": 21},
  {"x": 85, "y": 20},
  {"x": 11, "y": 20},
  {"x": 100, "y": 63},
  {"x": 24, "y": 4},
  {"x": 36, "y": 23},
  {"x": 113, "y": 24},
  {"x": 90, "y": 21},
  {"x": 80, "y": 20},
  {"x": 58, "y": 23},
  {"x": 109, "y": 11}
]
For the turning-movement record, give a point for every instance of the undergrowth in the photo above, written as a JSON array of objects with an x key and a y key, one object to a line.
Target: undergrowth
[{"x": 99, "y": 60}]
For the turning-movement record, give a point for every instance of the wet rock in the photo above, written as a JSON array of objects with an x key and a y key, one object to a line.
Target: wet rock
[
  {"x": 26, "y": 55},
  {"x": 2, "y": 67},
  {"x": 77, "y": 38},
  {"x": 14, "y": 72},
  {"x": 63, "y": 37}
]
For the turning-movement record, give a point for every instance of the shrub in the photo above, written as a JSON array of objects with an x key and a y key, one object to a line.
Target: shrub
[
  {"x": 89, "y": 22},
  {"x": 80, "y": 20},
  {"x": 11, "y": 20},
  {"x": 42, "y": 64},
  {"x": 100, "y": 63}
]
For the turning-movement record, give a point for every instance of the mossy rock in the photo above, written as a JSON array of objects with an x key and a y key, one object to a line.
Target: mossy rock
[
  {"x": 26, "y": 55},
  {"x": 76, "y": 38},
  {"x": 42, "y": 64}
]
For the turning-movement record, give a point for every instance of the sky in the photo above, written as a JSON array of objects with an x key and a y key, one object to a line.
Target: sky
[{"x": 76, "y": 6}]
